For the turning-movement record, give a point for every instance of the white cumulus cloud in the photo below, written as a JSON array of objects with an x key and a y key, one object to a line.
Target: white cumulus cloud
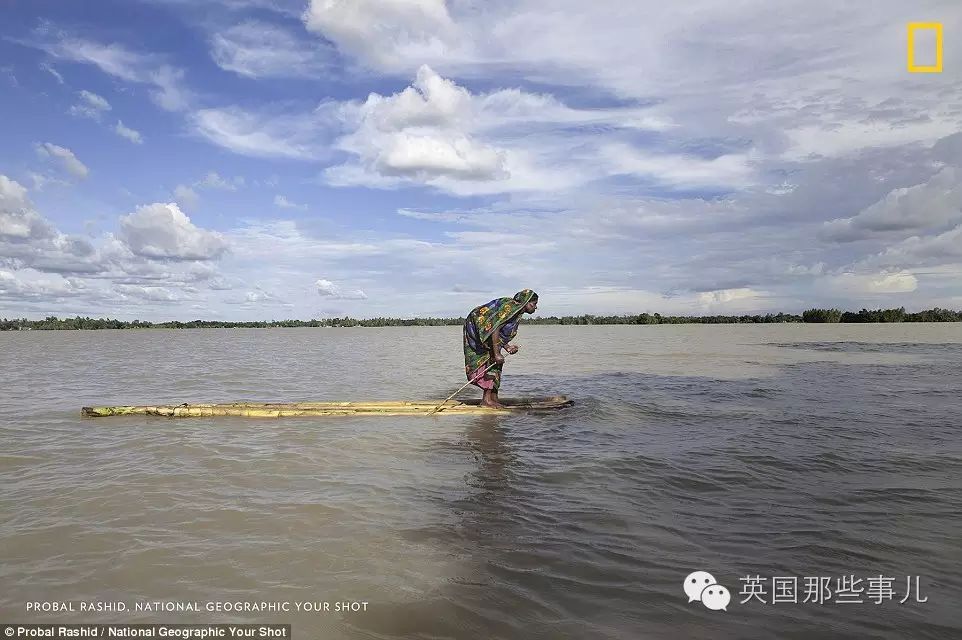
[
  {"x": 421, "y": 133},
  {"x": 163, "y": 231},
  {"x": 18, "y": 221},
  {"x": 730, "y": 299},
  {"x": 150, "y": 294},
  {"x": 385, "y": 34},
  {"x": 328, "y": 289}
]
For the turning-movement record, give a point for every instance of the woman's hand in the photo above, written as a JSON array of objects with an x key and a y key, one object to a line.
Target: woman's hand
[
  {"x": 510, "y": 348},
  {"x": 498, "y": 358}
]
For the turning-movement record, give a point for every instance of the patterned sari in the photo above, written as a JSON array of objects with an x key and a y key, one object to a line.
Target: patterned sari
[{"x": 501, "y": 315}]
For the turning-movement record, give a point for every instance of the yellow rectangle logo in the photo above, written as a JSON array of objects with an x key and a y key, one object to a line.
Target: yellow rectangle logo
[{"x": 916, "y": 26}]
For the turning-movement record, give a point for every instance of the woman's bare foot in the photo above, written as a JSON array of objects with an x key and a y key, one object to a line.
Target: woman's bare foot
[{"x": 490, "y": 400}]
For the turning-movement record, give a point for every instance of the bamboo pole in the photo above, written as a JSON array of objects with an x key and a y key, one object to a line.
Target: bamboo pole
[{"x": 280, "y": 410}]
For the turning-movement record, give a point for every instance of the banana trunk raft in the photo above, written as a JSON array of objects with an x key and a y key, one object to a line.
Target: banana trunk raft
[{"x": 284, "y": 410}]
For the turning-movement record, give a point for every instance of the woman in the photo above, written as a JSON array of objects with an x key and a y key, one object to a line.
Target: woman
[{"x": 488, "y": 329}]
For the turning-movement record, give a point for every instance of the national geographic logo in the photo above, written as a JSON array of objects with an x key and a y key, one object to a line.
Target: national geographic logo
[{"x": 914, "y": 27}]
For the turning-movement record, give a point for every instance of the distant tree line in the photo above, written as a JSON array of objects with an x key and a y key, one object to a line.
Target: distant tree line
[
  {"x": 812, "y": 315},
  {"x": 881, "y": 315},
  {"x": 657, "y": 318}
]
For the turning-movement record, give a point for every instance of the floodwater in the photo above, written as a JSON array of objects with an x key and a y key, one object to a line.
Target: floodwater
[{"x": 776, "y": 451}]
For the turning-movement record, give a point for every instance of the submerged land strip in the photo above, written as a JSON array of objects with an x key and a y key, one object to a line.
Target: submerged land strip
[{"x": 53, "y": 323}]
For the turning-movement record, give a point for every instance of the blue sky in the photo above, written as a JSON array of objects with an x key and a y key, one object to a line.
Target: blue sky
[{"x": 247, "y": 159}]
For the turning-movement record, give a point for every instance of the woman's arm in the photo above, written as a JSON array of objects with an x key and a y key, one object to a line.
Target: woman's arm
[{"x": 496, "y": 346}]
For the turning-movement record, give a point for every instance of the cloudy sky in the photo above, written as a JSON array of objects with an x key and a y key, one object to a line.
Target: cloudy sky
[{"x": 259, "y": 159}]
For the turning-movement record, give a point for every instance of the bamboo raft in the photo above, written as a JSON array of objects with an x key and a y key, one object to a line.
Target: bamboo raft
[{"x": 284, "y": 410}]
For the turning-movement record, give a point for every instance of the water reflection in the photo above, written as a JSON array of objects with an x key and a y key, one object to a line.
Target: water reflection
[
  {"x": 488, "y": 442},
  {"x": 474, "y": 535}
]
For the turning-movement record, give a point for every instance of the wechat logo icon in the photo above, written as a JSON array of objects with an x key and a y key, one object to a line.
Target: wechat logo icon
[{"x": 702, "y": 586}]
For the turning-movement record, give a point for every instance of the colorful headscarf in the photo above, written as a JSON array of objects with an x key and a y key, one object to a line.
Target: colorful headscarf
[{"x": 503, "y": 314}]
